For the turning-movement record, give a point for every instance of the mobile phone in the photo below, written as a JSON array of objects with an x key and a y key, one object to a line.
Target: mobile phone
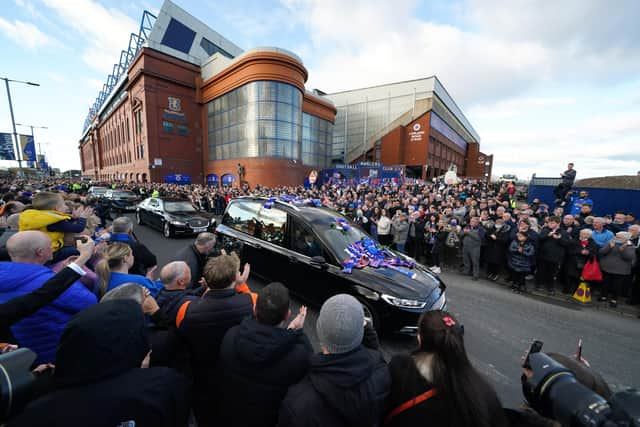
[{"x": 536, "y": 346}]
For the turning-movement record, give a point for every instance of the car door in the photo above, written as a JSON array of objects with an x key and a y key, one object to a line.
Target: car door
[
  {"x": 311, "y": 280},
  {"x": 152, "y": 213}
]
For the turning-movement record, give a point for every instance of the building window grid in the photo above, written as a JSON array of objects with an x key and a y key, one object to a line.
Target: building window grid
[{"x": 277, "y": 109}]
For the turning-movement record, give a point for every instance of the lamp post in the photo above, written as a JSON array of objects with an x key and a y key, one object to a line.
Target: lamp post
[
  {"x": 34, "y": 139},
  {"x": 13, "y": 123}
]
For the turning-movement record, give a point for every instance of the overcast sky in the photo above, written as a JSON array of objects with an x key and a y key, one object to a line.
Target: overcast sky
[{"x": 543, "y": 82}]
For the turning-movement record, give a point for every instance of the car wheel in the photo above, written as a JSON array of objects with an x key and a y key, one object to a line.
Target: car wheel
[
  {"x": 370, "y": 314},
  {"x": 167, "y": 231},
  {"x": 139, "y": 219}
]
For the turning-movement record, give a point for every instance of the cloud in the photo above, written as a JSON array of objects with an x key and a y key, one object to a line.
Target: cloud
[
  {"x": 359, "y": 44},
  {"x": 105, "y": 30},
  {"x": 26, "y": 34},
  {"x": 519, "y": 106}
]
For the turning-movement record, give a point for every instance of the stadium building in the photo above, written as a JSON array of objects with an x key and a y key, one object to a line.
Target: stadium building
[{"x": 185, "y": 104}]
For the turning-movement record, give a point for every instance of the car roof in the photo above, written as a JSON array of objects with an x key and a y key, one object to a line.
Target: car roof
[
  {"x": 312, "y": 214},
  {"x": 171, "y": 199}
]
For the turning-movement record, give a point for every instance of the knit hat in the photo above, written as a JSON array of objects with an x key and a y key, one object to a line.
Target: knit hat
[{"x": 340, "y": 325}]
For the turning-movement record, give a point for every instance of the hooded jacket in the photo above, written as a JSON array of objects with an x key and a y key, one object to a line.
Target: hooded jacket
[
  {"x": 259, "y": 362},
  {"x": 34, "y": 219},
  {"x": 347, "y": 389},
  {"x": 98, "y": 377},
  {"x": 41, "y": 331}
]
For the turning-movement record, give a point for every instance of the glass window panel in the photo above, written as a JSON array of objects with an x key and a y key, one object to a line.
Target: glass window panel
[
  {"x": 267, "y": 110},
  {"x": 211, "y": 124},
  {"x": 241, "y": 94},
  {"x": 252, "y": 147},
  {"x": 224, "y": 103},
  {"x": 285, "y": 112},
  {"x": 224, "y": 121},
  {"x": 283, "y": 130},
  {"x": 274, "y": 225},
  {"x": 252, "y": 111},
  {"x": 241, "y": 149},
  {"x": 233, "y": 116},
  {"x": 231, "y": 99},
  {"x": 225, "y": 151},
  {"x": 306, "y": 119},
  {"x": 267, "y": 129},
  {"x": 216, "y": 105},
  {"x": 167, "y": 126},
  {"x": 285, "y": 93},
  {"x": 218, "y": 152},
  {"x": 241, "y": 113},
  {"x": 286, "y": 148},
  {"x": 267, "y": 91},
  {"x": 252, "y": 91},
  {"x": 268, "y": 148}
]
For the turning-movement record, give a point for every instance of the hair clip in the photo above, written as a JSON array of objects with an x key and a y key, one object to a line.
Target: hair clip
[{"x": 448, "y": 321}]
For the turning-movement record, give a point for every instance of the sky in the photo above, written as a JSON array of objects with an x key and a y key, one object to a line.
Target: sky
[{"x": 543, "y": 82}]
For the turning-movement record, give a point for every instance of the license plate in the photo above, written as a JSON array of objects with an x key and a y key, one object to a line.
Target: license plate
[{"x": 200, "y": 229}]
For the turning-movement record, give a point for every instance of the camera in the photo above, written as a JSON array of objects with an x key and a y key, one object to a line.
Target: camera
[
  {"x": 554, "y": 392},
  {"x": 16, "y": 381}
]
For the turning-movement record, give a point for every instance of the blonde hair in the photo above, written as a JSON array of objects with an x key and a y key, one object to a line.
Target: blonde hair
[
  {"x": 46, "y": 201},
  {"x": 220, "y": 272},
  {"x": 114, "y": 255}
]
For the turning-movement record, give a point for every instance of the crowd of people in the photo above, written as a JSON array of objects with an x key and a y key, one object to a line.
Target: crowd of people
[{"x": 190, "y": 343}]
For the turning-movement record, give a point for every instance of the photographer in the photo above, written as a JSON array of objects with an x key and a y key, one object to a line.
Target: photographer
[
  {"x": 616, "y": 260},
  {"x": 553, "y": 243},
  {"x": 569, "y": 392}
]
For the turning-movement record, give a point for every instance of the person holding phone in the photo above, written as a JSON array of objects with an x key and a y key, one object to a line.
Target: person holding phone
[{"x": 616, "y": 260}]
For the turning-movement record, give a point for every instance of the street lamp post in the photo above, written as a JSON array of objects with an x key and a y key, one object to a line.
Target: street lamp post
[
  {"x": 13, "y": 123},
  {"x": 34, "y": 139}
]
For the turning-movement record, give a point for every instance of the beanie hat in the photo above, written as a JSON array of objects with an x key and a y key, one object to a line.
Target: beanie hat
[{"x": 340, "y": 325}]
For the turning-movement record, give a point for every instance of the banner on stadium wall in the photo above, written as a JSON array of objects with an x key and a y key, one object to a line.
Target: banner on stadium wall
[
  {"x": 213, "y": 180},
  {"x": 228, "y": 179},
  {"x": 177, "y": 179},
  {"x": 6, "y": 147},
  {"x": 28, "y": 148}
]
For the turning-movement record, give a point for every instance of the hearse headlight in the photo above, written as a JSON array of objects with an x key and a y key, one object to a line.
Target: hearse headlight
[{"x": 402, "y": 302}]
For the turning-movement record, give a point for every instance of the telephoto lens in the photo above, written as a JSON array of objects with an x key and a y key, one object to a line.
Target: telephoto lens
[
  {"x": 16, "y": 381},
  {"x": 554, "y": 392}
]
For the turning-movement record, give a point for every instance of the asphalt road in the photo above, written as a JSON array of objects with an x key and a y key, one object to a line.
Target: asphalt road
[{"x": 499, "y": 326}]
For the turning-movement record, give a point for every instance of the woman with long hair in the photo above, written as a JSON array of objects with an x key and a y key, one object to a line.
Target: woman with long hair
[
  {"x": 437, "y": 384},
  {"x": 113, "y": 270}
]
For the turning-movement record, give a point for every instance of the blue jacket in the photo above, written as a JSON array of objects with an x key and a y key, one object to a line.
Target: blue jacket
[
  {"x": 41, "y": 332},
  {"x": 118, "y": 279}
]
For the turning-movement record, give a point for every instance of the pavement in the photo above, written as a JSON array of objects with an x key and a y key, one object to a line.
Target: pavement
[{"x": 500, "y": 325}]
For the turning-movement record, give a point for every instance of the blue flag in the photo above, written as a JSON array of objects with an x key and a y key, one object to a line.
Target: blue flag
[{"x": 6, "y": 147}]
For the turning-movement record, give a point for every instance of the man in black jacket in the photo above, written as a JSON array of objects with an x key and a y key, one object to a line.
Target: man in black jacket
[
  {"x": 260, "y": 359},
  {"x": 348, "y": 383},
  {"x": 553, "y": 243},
  {"x": 203, "y": 323},
  {"x": 195, "y": 256},
  {"x": 143, "y": 258},
  {"x": 98, "y": 377}
]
